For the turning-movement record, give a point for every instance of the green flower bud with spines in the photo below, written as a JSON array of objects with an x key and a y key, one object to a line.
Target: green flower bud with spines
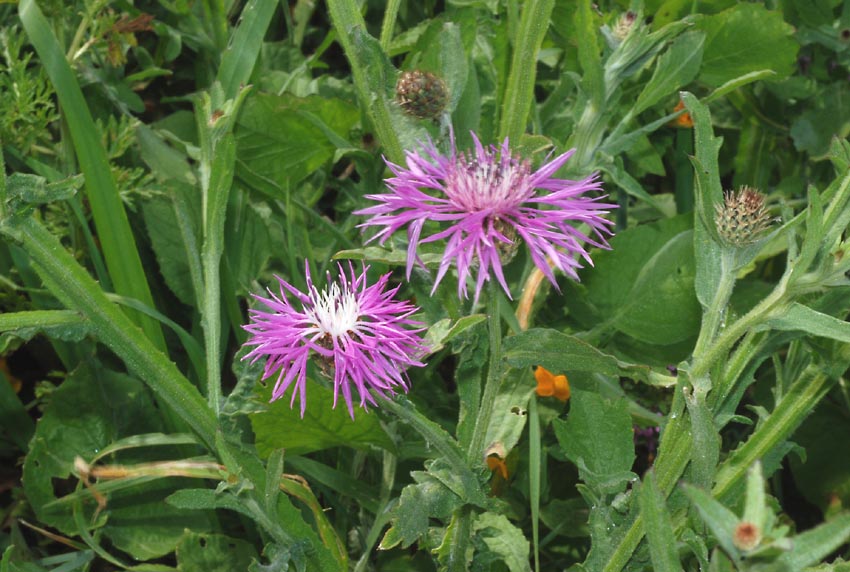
[
  {"x": 422, "y": 94},
  {"x": 742, "y": 218}
]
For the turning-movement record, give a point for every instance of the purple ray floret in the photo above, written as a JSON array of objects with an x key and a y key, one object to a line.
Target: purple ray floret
[
  {"x": 487, "y": 200},
  {"x": 359, "y": 331}
]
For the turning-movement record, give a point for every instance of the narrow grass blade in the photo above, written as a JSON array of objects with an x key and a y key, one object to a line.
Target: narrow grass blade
[
  {"x": 113, "y": 228},
  {"x": 239, "y": 58}
]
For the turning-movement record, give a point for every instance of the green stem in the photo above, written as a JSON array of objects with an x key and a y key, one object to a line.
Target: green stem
[
  {"x": 475, "y": 453},
  {"x": 704, "y": 361},
  {"x": 714, "y": 314},
  {"x": 388, "y": 25},
  {"x": 669, "y": 466},
  {"x": 534, "y": 476},
  {"x": 351, "y": 30},
  {"x": 461, "y": 533},
  {"x": 75, "y": 288},
  {"x": 217, "y": 16},
  {"x": 433, "y": 434},
  {"x": 744, "y": 352},
  {"x": 519, "y": 94}
]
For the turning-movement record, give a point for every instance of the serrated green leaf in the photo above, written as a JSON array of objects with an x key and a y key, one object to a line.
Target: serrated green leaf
[
  {"x": 173, "y": 236},
  {"x": 597, "y": 437},
  {"x": 444, "y": 331},
  {"x": 644, "y": 286},
  {"x": 277, "y": 142},
  {"x": 676, "y": 67},
  {"x": 504, "y": 539},
  {"x": 281, "y": 426},
  {"x": 428, "y": 498},
  {"x": 564, "y": 353},
  {"x": 746, "y": 38},
  {"x": 213, "y": 553},
  {"x": 35, "y": 190}
]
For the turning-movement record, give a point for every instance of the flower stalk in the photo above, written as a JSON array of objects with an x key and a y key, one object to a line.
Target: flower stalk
[{"x": 475, "y": 453}]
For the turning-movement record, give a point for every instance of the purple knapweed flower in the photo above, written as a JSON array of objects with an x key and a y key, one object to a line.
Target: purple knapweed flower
[
  {"x": 490, "y": 199},
  {"x": 360, "y": 332}
]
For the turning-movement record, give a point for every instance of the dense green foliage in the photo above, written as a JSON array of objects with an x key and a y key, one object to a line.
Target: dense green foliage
[{"x": 163, "y": 159}]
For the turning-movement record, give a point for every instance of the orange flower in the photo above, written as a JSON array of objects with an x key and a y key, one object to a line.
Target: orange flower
[
  {"x": 497, "y": 465},
  {"x": 683, "y": 120},
  {"x": 550, "y": 385}
]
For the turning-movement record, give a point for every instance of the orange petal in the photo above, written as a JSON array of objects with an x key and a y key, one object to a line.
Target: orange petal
[
  {"x": 494, "y": 463},
  {"x": 562, "y": 387},
  {"x": 545, "y": 382}
]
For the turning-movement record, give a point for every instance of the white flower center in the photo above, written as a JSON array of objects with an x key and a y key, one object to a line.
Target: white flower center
[
  {"x": 493, "y": 182},
  {"x": 335, "y": 313}
]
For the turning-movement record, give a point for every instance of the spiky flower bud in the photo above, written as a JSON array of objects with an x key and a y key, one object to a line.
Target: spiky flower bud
[
  {"x": 746, "y": 536},
  {"x": 742, "y": 218},
  {"x": 421, "y": 94},
  {"x": 624, "y": 25}
]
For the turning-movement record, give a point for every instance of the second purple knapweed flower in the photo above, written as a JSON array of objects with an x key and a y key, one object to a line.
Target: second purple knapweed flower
[
  {"x": 490, "y": 200},
  {"x": 364, "y": 339}
]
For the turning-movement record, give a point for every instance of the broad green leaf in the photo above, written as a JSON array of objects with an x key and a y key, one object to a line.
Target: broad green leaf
[
  {"x": 503, "y": 539},
  {"x": 258, "y": 232},
  {"x": 719, "y": 519},
  {"x": 166, "y": 162},
  {"x": 173, "y": 235},
  {"x": 827, "y": 118},
  {"x": 322, "y": 427},
  {"x": 564, "y": 353},
  {"x": 446, "y": 56},
  {"x": 824, "y": 476},
  {"x": 597, "y": 437},
  {"x": 142, "y": 525},
  {"x": 644, "y": 286},
  {"x": 90, "y": 410},
  {"x": 509, "y": 410},
  {"x": 14, "y": 420},
  {"x": 279, "y": 139},
  {"x": 799, "y": 317},
  {"x": 659, "y": 527},
  {"x": 676, "y": 67},
  {"x": 746, "y": 38},
  {"x": 213, "y": 553}
]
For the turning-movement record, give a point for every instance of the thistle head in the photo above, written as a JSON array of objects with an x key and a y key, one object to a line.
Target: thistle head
[
  {"x": 742, "y": 217},
  {"x": 422, "y": 94}
]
